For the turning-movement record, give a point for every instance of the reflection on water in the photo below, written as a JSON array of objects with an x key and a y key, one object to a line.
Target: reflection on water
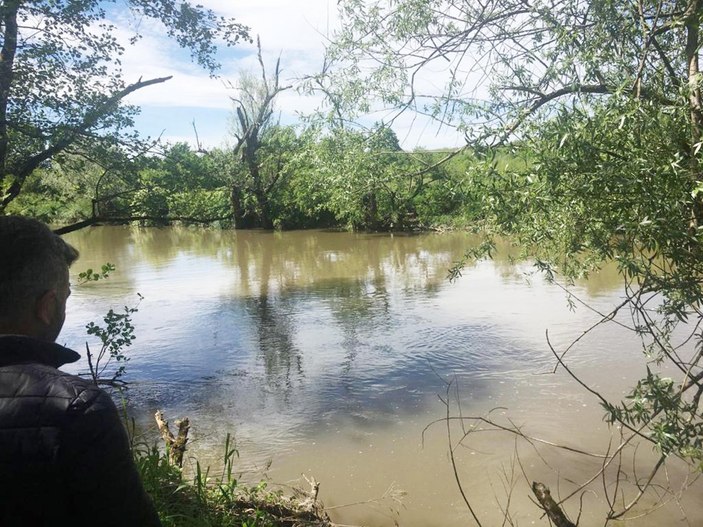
[{"x": 326, "y": 352}]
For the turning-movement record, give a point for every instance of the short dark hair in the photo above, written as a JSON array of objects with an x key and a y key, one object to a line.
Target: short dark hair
[{"x": 33, "y": 260}]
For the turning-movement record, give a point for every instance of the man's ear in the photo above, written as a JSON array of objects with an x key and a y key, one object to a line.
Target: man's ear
[{"x": 45, "y": 307}]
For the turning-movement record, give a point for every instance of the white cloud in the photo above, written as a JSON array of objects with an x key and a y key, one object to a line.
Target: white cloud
[
  {"x": 295, "y": 31},
  {"x": 289, "y": 33},
  {"x": 290, "y": 26}
]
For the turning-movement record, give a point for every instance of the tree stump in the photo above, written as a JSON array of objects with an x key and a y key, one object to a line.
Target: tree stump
[{"x": 176, "y": 445}]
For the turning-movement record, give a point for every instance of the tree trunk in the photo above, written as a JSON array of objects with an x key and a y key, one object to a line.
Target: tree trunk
[
  {"x": 176, "y": 444},
  {"x": 240, "y": 216},
  {"x": 692, "y": 17},
  {"x": 264, "y": 208},
  {"x": 7, "y": 59},
  {"x": 251, "y": 147},
  {"x": 370, "y": 211}
]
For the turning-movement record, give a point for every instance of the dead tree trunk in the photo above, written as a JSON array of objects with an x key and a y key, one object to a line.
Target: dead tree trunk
[{"x": 253, "y": 111}]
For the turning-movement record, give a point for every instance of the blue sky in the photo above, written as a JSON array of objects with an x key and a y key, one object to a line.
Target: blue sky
[{"x": 295, "y": 30}]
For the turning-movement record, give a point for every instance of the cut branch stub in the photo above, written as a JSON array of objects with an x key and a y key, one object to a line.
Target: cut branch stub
[
  {"x": 550, "y": 507},
  {"x": 176, "y": 445}
]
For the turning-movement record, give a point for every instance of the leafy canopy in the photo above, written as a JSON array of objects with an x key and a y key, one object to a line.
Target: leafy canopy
[{"x": 61, "y": 82}]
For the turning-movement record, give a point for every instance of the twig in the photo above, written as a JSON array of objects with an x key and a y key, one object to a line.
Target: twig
[
  {"x": 641, "y": 490},
  {"x": 453, "y": 460}
]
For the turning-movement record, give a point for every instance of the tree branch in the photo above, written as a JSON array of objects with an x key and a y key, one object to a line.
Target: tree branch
[
  {"x": 90, "y": 119},
  {"x": 7, "y": 59},
  {"x": 128, "y": 219},
  {"x": 550, "y": 507}
]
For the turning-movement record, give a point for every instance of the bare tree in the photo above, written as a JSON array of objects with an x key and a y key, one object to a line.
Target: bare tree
[{"x": 252, "y": 123}]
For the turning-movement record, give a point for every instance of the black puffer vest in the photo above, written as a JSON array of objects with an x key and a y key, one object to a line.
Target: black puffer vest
[{"x": 64, "y": 453}]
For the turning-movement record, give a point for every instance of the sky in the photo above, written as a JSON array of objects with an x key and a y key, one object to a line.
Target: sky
[{"x": 294, "y": 30}]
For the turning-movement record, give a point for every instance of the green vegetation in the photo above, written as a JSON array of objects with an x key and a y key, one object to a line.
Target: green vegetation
[
  {"x": 107, "y": 365},
  {"x": 218, "y": 500},
  {"x": 115, "y": 335},
  {"x": 319, "y": 177},
  {"x": 68, "y": 155},
  {"x": 61, "y": 85}
]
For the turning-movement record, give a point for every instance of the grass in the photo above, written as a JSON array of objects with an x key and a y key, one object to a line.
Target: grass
[{"x": 208, "y": 499}]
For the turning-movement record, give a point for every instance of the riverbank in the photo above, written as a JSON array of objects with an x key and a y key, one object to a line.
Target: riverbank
[{"x": 207, "y": 498}]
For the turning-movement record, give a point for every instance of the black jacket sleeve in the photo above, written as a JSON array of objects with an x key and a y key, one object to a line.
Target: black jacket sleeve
[{"x": 97, "y": 466}]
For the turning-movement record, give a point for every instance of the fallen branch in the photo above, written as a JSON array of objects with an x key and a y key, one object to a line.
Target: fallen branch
[
  {"x": 550, "y": 507},
  {"x": 127, "y": 219}
]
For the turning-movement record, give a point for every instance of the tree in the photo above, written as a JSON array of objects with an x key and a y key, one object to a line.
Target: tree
[
  {"x": 61, "y": 86},
  {"x": 252, "y": 126},
  {"x": 599, "y": 102},
  {"x": 363, "y": 178},
  {"x": 180, "y": 184}
]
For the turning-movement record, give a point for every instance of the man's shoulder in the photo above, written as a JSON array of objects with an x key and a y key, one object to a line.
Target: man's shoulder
[
  {"x": 35, "y": 380},
  {"x": 18, "y": 349}
]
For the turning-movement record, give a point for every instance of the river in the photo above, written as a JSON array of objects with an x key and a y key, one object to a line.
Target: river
[{"x": 329, "y": 353}]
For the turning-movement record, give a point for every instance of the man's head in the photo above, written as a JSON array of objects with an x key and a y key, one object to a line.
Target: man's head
[{"x": 34, "y": 282}]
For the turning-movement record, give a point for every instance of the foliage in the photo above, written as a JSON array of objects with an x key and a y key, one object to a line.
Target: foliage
[
  {"x": 656, "y": 400},
  {"x": 198, "y": 203},
  {"x": 260, "y": 196},
  {"x": 116, "y": 335},
  {"x": 315, "y": 178},
  {"x": 61, "y": 86},
  {"x": 62, "y": 191},
  {"x": 365, "y": 180},
  {"x": 151, "y": 203},
  {"x": 178, "y": 185},
  {"x": 182, "y": 169},
  {"x": 502, "y": 62},
  {"x": 89, "y": 275},
  {"x": 450, "y": 197}
]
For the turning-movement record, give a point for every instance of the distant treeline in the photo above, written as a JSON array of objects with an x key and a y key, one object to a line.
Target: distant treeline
[{"x": 342, "y": 178}]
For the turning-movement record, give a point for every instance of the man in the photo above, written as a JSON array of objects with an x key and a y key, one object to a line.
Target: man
[{"x": 64, "y": 453}]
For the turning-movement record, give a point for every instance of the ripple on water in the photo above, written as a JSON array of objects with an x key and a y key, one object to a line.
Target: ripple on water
[{"x": 468, "y": 348}]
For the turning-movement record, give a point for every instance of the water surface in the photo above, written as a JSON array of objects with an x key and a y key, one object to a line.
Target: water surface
[{"x": 329, "y": 353}]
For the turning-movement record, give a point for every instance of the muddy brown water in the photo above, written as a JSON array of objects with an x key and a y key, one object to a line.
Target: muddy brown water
[{"x": 330, "y": 354}]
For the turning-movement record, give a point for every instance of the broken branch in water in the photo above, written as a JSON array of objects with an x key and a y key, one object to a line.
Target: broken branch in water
[{"x": 550, "y": 507}]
